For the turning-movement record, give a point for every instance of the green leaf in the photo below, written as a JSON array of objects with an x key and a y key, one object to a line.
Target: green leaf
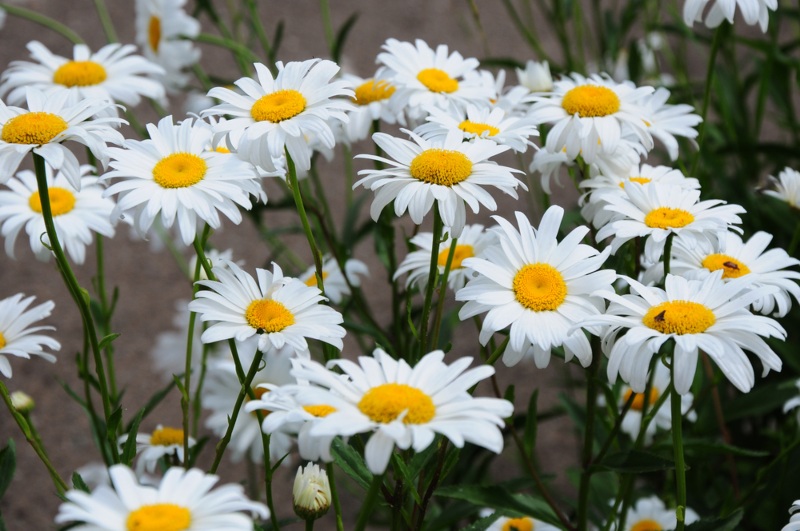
[
  {"x": 531, "y": 425},
  {"x": 702, "y": 446},
  {"x": 154, "y": 401},
  {"x": 635, "y": 462},
  {"x": 79, "y": 483},
  {"x": 106, "y": 341},
  {"x": 8, "y": 464},
  {"x": 759, "y": 401},
  {"x": 400, "y": 468},
  {"x": 499, "y": 498},
  {"x": 341, "y": 37},
  {"x": 729, "y": 523},
  {"x": 114, "y": 421},
  {"x": 482, "y": 524},
  {"x": 129, "y": 450},
  {"x": 351, "y": 462}
]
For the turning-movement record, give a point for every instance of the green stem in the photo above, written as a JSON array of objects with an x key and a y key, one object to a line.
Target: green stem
[
  {"x": 310, "y": 524},
  {"x": 43, "y": 20},
  {"x": 437, "y": 319},
  {"x": 105, "y": 21},
  {"x": 369, "y": 502},
  {"x": 795, "y": 240},
  {"x": 327, "y": 26},
  {"x": 337, "y": 508},
  {"x": 476, "y": 16},
  {"x": 187, "y": 370},
  {"x": 677, "y": 445},
  {"x": 294, "y": 185},
  {"x": 710, "y": 71},
  {"x": 258, "y": 27},
  {"x": 498, "y": 351},
  {"x": 668, "y": 254},
  {"x": 106, "y": 311},
  {"x": 523, "y": 30},
  {"x": 588, "y": 436},
  {"x": 438, "y": 227}
]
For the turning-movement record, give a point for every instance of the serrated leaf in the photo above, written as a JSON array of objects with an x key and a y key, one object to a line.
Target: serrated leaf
[
  {"x": 351, "y": 462},
  {"x": 729, "y": 523},
  {"x": 8, "y": 465},
  {"x": 635, "y": 462}
]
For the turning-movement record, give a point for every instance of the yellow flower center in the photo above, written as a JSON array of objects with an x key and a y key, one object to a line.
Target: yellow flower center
[
  {"x": 222, "y": 149},
  {"x": 179, "y": 170},
  {"x": 679, "y": 317},
  {"x": 646, "y": 525},
  {"x": 590, "y": 101},
  {"x": 33, "y": 128},
  {"x": 154, "y": 33},
  {"x": 320, "y": 410},
  {"x": 386, "y": 402},
  {"x": 79, "y": 74},
  {"x": 640, "y": 180},
  {"x": 479, "y": 129},
  {"x": 2, "y": 340},
  {"x": 731, "y": 267},
  {"x": 461, "y": 252},
  {"x": 278, "y": 106},
  {"x": 445, "y": 167},
  {"x": 638, "y": 399},
  {"x": 518, "y": 524},
  {"x": 159, "y": 517},
  {"x": 268, "y": 316},
  {"x": 61, "y": 201},
  {"x": 166, "y": 437},
  {"x": 372, "y": 91},
  {"x": 539, "y": 287},
  {"x": 668, "y": 218},
  {"x": 437, "y": 80},
  {"x": 311, "y": 281}
]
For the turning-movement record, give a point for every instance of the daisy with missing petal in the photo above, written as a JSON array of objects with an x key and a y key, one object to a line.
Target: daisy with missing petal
[
  {"x": 336, "y": 282},
  {"x": 183, "y": 501},
  {"x": 174, "y": 175},
  {"x": 163, "y": 443},
  {"x": 753, "y": 12},
  {"x": 785, "y": 187},
  {"x": 49, "y": 121},
  {"x": 281, "y": 113},
  {"x": 17, "y": 336},
  {"x": 403, "y": 406},
  {"x": 76, "y": 214},
  {"x": 371, "y": 103},
  {"x": 709, "y": 315},
  {"x": 450, "y": 172},
  {"x": 472, "y": 242},
  {"x": 112, "y": 73},
  {"x": 280, "y": 310},
  {"x": 537, "y": 286}
]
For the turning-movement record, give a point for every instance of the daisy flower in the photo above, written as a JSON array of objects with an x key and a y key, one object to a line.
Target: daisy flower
[
  {"x": 403, "y": 406},
  {"x": 17, "y": 336},
  {"x": 591, "y": 115},
  {"x": 523, "y": 523},
  {"x": 785, "y": 187},
  {"x": 183, "y": 500},
  {"x": 164, "y": 442},
  {"x": 668, "y": 121},
  {"x": 537, "y": 286},
  {"x": 709, "y": 315},
  {"x": 49, "y": 121},
  {"x": 311, "y": 493},
  {"x": 450, "y": 172},
  {"x": 280, "y": 113},
  {"x": 371, "y": 103},
  {"x": 112, "y": 73},
  {"x": 336, "y": 282},
  {"x": 536, "y": 76},
  {"x": 173, "y": 174},
  {"x": 472, "y": 242},
  {"x": 161, "y": 30},
  {"x": 794, "y": 520},
  {"x": 753, "y": 11},
  {"x": 651, "y": 513},
  {"x": 76, "y": 213},
  {"x": 280, "y": 310},
  {"x": 430, "y": 78}
]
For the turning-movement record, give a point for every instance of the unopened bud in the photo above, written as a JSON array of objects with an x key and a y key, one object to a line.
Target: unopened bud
[
  {"x": 22, "y": 402},
  {"x": 311, "y": 493}
]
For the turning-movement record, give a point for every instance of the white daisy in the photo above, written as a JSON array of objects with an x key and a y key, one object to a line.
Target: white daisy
[
  {"x": 337, "y": 283},
  {"x": 112, "y": 73},
  {"x": 182, "y": 501},
  {"x": 472, "y": 242},
  {"x": 76, "y": 214},
  {"x": 536, "y": 76},
  {"x": 523, "y": 523},
  {"x": 17, "y": 336},
  {"x": 371, "y": 104},
  {"x": 753, "y": 11},
  {"x": 281, "y": 310},
  {"x": 794, "y": 520},
  {"x": 173, "y": 174},
  {"x": 785, "y": 187},
  {"x": 165, "y": 442},
  {"x": 282, "y": 112},
  {"x": 794, "y": 402},
  {"x": 48, "y": 122},
  {"x": 450, "y": 172},
  {"x": 650, "y": 514},
  {"x": 666, "y": 121},
  {"x": 709, "y": 315},
  {"x": 403, "y": 406}
]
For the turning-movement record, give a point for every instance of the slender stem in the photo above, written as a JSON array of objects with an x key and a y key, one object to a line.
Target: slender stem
[
  {"x": 43, "y": 20},
  {"x": 677, "y": 445},
  {"x": 310, "y": 524},
  {"x": 438, "y": 227},
  {"x": 498, "y": 352},
  {"x": 588, "y": 435},
  {"x": 723, "y": 429},
  {"x": 476, "y": 16},
  {"x": 106, "y": 311},
  {"x": 294, "y": 185},
  {"x": 437, "y": 474},
  {"x": 527, "y": 34},
  {"x": 258, "y": 27},
  {"x": 337, "y": 508},
  {"x": 710, "y": 71},
  {"x": 795, "y": 240},
  {"x": 187, "y": 370},
  {"x": 612, "y": 436},
  {"x": 105, "y": 20},
  {"x": 327, "y": 26},
  {"x": 668, "y": 254},
  {"x": 437, "y": 319},
  {"x": 369, "y": 502}
]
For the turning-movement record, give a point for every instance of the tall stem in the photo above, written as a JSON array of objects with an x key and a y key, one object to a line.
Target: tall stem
[
  {"x": 710, "y": 70},
  {"x": 105, "y": 20},
  {"x": 677, "y": 445},
  {"x": 369, "y": 502},
  {"x": 588, "y": 435},
  {"x": 437, "y": 319},
  {"x": 438, "y": 227},
  {"x": 337, "y": 508}
]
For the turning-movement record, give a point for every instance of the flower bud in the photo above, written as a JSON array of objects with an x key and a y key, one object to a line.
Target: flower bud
[
  {"x": 311, "y": 493},
  {"x": 22, "y": 402},
  {"x": 536, "y": 77}
]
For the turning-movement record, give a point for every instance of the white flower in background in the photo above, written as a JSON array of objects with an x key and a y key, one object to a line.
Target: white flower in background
[
  {"x": 538, "y": 287},
  {"x": 753, "y": 12},
  {"x": 17, "y": 336},
  {"x": 794, "y": 520},
  {"x": 786, "y": 187},
  {"x": 49, "y": 121},
  {"x": 76, "y": 214},
  {"x": 112, "y": 73},
  {"x": 165, "y": 442},
  {"x": 311, "y": 492},
  {"x": 94, "y": 474},
  {"x": 450, "y": 172},
  {"x": 371, "y": 101},
  {"x": 22, "y": 402},
  {"x": 650, "y": 514},
  {"x": 273, "y": 114},
  {"x": 794, "y": 402},
  {"x": 403, "y": 406},
  {"x": 214, "y": 258},
  {"x": 536, "y": 76},
  {"x": 523, "y": 523},
  {"x": 666, "y": 121},
  {"x": 162, "y": 29},
  {"x": 184, "y": 500},
  {"x": 334, "y": 280},
  {"x": 473, "y": 242}
]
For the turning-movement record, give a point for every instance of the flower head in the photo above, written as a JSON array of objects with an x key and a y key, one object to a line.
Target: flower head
[
  {"x": 336, "y": 282},
  {"x": 17, "y": 336},
  {"x": 311, "y": 492},
  {"x": 163, "y": 442},
  {"x": 753, "y": 11}
]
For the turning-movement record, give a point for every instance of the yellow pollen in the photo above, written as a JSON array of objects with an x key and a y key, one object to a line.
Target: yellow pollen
[
  {"x": 638, "y": 399},
  {"x": 372, "y": 91},
  {"x": 461, "y": 252},
  {"x": 539, "y": 287},
  {"x": 590, "y": 101},
  {"x": 33, "y": 128},
  {"x": 640, "y": 180},
  {"x": 386, "y": 402},
  {"x": 159, "y": 517},
  {"x": 2, "y": 340},
  {"x": 646, "y": 525},
  {"x": 154, "y": 33},
  {"x": 518, "y": 524},
  {"x": 268, "y": 316},
  {"x": 79, "y": 74},
  {"x": 278, "y": 106},
  {"x": 220, "y": 149},
  {"x": 679, "y": 317},
  {"x": 312, "y": 280},
  {"x": 478, "y": 129},
  {"x": 437, "y": 80},
  {"x": 179, "y": 170},
  {"x": 668, "y": 218},
  {"x": 445, "y": 167},
  {"x": 166, "y": 436},
  {"x": 731, "y": 267},
  {"x": 320, "y": 410},
  {"x": 61, "y": 201}
]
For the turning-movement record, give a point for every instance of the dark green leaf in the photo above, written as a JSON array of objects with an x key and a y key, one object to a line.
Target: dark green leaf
[
  {"x": 729, "y": 523},
  {"x": 79, "y": 483},
  {"x": 8, "y": 464},
  {"x": 351, "y": 462},
  {"x": 154, "y": 401},
  {"x": 483, "y": 523},
  {"x": 498, "y": 497},
  {"x": 531, "y": 424},
  {"x": 400, "y": 468},
  {"x": 341, "y": 37},
  {"x": 636, "y": 461},
  {"x": 129, "y": 450}
]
